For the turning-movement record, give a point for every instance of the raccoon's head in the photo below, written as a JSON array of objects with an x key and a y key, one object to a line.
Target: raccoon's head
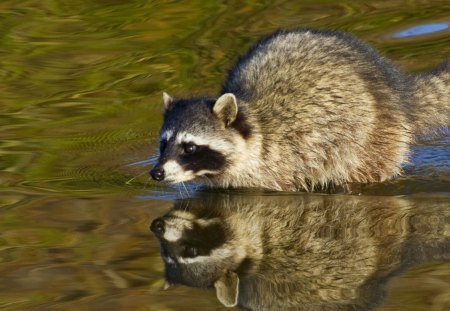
[
  {"x": 195, "y": 253},
  {"x": 199, "y": 137}
]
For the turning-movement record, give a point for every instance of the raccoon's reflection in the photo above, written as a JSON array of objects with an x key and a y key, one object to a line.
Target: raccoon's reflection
[{"x": 303, "y": 252}]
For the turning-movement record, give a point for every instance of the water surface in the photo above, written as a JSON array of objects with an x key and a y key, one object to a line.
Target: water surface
[{"x": 81, "y": 86}]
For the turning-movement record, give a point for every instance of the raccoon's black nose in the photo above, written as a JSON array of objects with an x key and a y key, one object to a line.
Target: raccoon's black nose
[
  {"x": 157, "y": 227},
  {"x": 157, "y": 173}
]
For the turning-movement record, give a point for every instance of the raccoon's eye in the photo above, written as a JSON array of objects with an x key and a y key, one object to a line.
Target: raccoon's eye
[
  {"x": 190, "y": 148},
  {"x": 191, "y": 251}
]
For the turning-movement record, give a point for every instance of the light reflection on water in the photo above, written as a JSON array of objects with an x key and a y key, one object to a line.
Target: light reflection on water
[
  {"x": 81, "y": 92},
  {"x": 421, "y": 30}
]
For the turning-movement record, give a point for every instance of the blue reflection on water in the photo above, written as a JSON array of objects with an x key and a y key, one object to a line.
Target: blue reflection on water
[{"x": 421, "y": 30}]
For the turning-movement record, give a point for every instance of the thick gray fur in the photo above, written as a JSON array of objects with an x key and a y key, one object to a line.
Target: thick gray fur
[{"x": 317, "y": 108}]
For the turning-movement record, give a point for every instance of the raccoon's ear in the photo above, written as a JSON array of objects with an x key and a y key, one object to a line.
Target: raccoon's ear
[
  {"x": 225, "y": 108},
  {"x": 227, "y": 289},
  {"x": 168, "y": 101}
]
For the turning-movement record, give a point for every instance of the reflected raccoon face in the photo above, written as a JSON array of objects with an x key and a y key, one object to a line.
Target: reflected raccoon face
[
  {"x": 197, "y": 138},
  {"x": 193, "y": 251}
]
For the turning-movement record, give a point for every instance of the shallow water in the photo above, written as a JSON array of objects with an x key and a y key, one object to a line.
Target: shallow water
[{"x": 81, "y": 86}]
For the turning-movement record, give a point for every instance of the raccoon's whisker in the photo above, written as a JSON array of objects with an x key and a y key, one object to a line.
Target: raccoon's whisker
[
  {"x": 186, "y": 206},
  {"x": 180, "y": 193},
  {"x": 210, "y": 183},
  {"x": 189, "y": 188},
  {"x": 196, "y": 187},
  {"x": 185, "y": 188},
  {"x": 152, "y": 160},
  {"x": 193, "y": 187},
  {"x": 138, "y": 175}
]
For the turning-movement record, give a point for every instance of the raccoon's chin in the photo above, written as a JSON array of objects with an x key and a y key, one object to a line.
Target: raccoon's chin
[
  {"x": 190, "y": 177},
  {"x": 206, "y": 173},
  {"x": 173, "y": 181}
]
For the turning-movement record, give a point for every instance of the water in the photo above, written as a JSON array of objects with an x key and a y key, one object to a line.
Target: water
[
  {"x": 80, "y": 104},
  {"x": 302, "y": 252}
]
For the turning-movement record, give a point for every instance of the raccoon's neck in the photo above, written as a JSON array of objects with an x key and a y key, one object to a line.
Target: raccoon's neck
[
  {"x": 247, "y": 240},
  {"x": 246, "y": 170},
  {"x": 248, "y": 167}
]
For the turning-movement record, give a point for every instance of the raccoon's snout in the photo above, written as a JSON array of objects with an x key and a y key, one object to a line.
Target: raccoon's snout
[
  {"x": 158, "y": 227},
  {"x": 157, "y": 173}
]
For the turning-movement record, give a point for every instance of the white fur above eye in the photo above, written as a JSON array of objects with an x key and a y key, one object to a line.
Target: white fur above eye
[
  {"x": 216, "y": 254},
  {"x": 213, "y": 142},
  {"x": 166, "y": 135},
  {"x": 184, "y": 137},
  {"x": 168, "y": 260}
]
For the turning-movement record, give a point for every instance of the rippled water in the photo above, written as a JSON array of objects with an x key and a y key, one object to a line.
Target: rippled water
[{"x": 81, "y": 85}]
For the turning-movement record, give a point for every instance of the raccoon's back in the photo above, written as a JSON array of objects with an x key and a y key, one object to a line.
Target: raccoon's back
[{"x": 293, "y": 62}]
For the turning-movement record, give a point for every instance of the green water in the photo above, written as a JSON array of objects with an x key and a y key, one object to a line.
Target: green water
[{"x": 80, "y": 108}]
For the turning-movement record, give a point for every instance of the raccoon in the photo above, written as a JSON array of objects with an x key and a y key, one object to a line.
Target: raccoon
[
  {"x": 299, "y": 253},
  {"x": 302, "y": 110}
]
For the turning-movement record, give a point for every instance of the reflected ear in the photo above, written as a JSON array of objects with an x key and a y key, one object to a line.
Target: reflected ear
[
  {"x": 226, "y": 108},
  {"x": 167, "y": 285},
  {"x": 168, "y": 101},
  {"x": 227, "y": 289}
]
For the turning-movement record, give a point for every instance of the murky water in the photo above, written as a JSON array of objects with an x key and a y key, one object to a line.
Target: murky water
[{"x": 80, "y": 102}]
